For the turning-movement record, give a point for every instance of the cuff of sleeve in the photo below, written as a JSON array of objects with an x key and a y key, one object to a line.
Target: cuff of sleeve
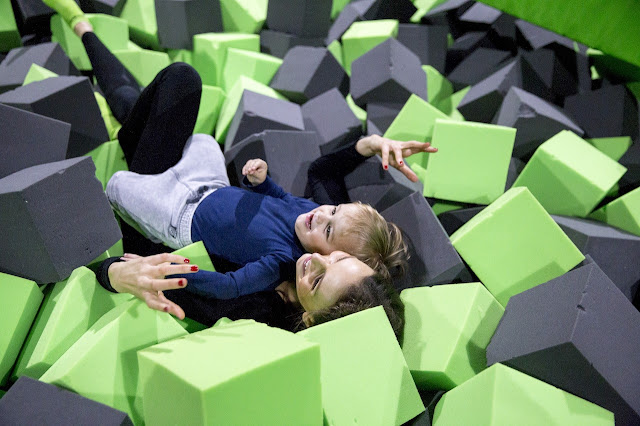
[
  {"x": 257, "y": 188},
  {"x": 102, "y": 274}
]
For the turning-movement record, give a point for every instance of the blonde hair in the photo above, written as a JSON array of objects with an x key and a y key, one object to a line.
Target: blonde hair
[{"x": 376, "y": 242}]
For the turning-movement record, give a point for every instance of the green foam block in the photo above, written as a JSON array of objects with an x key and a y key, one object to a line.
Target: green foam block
[
  {"x": 197, "y": 255},
  {"x": 365, "y": 379},
  {"x": 143, "y": 64},
  {"x": 68, "y": 311},
  {"x": 143, "y": 27},
  {"x": 360, "y": 113},
  {"x": 450, "y": 105},
  {"x": 231, "y": 102},
  {"x": 446, "y": 333},
  {"x": 210, "y": 52},
  {"x": 37, "y": 73},
  {"x": 503, "y": 396},
  {"x": 240, "y": 372},
  {"x": 513, "y": 245},
  {"x": 623, "y": 212},
  {"x": 363, "y": 36},
  {"x": 102, "y": 365},
  {"x": 180, "y": 55},
  {"x": 472, "y": 161},
  {"x": 440, "y": 206},
  {"x": 210, "y": 105},
  {"x": 336, "y": 50},
  {"x": 9, "y": 35},
  {"x": 258, "y": 66},
  {"x": 337, "y": 7},
  {"x": 613, "y": 148},
  {"x": 115, "y": 250},
  {"x": 112, "y": 31},
  {"x": 568, "y": 176},
  {"x": 19, "y": 302},
  {"x": 110, "y": 121},
  {"x": 439, "y": 89},
  {"x": 243, "y": 16},
  {"x": 108, "y": 159}
]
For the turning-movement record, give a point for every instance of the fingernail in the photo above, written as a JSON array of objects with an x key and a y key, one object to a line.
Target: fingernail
[
  {"x": 187, "y": 261},
  {"x": 194, "y": 268},
  {"x": 386, "y": 167},
  {"x": 401, "y": 163},
  {"x": 181, "y": 283},
  {"x": 166, "y": 309}
]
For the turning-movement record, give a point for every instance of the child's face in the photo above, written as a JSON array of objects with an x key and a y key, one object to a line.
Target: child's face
[{"x": 322, "y": 230}]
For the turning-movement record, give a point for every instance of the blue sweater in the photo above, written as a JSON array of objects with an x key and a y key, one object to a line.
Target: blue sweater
[{"x": 253, "y": 228}]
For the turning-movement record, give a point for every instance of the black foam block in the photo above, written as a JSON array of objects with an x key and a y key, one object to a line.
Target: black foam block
[
  {"x": 28, "y": 139},
  {"x": 433, "y": 260},
  {"x": 515, "y": 168},
  {"x": 278, "y": 43},
  {"x": 448, "y": 13},
  {"x": 54, "y": 218},
  {"x": 499, "y": 26},
  {"x": 195, "y": 17},
  {"x": 380, "y": 116},
  {"x": 331, "y": 118},
  {"x": 32, "y": 402},
  {"x": 533, "y": 37},
  {"x": 615, "y": 251},
  {"x": 68, "y": 99},
  {"x": 481, "y": 63},
  {"x": 631, "y": 160},
  {"x": 108, "y": 7},
  {"x": 304, "y": 18},
  {"x": 307, "y": 72},
  {"x": 428, "y": 42},
  {"x": 577, "y": 332},
  {"x": 463, "y": 46},
  {"x": 453, "y": 219},
  {"x": 535, "y": 120},
  {"x": 389, "y": 72},
  {"x": 16, "y": 65},
  {"x": 429, "y": 399},
  {"x": 257, "y": 113},
  {"x": 560, "y": 80},
  {"x": 351, "y": 13},
  {"x": 287, "y": 153},
  {"x": 609, "y": 111},
  {"x": 32, "y": 16}
]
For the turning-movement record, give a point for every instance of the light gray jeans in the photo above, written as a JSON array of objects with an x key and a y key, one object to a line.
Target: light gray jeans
[{"x": 162, "y": 206}]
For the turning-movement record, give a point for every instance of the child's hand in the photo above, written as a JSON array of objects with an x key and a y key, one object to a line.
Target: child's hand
[
  {"x": 393, "y": 152},
  {"x": 256, "y": 171}
]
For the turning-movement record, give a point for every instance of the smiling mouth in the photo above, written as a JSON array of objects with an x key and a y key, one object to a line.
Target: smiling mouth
[{"x": 309, "y": 219}]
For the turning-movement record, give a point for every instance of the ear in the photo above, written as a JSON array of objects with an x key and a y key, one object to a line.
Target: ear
[{"x": 307, "y": 319}]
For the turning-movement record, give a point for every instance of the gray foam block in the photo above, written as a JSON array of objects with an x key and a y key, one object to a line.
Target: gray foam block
[
  {"x": 278, "y": 43},
  {"x": 479, "y": 17},
  {"x": 307, "y": 72},
  {"x": 380, "y": 115},
  {"x": 533, "y": 37},
  {"x": 515, "y": 168},
  {"x": 631, "y": 160},
  {"x": 28, "y": 139},
  {"x": 433, "y": 260},
  {"x": 287, "y": 153},
  {"x": 452, "y": 220},
  {"x": 478, "y": 65},
  {"x": 16, "y": 65},
  {"x": 615, "y": 251},
  {"x": 577, "y": 332},
  {"x": 389, "y": 72},
  {"x": 428, "y": 42},
  {"x": 55, "y": 218},
  {"x": 351, "y": 13},
  {"x": 257, "y": 113},
  {"x": 179, "y": 20},
  {"x": 108, "y": 7},
  {"x": 609, "y": 111},
  {"x": 304, "y": 18},
  {"x": 560, "y": 79},
  {"x": 331, "y": 118},
  {"x": 31, "y": 401},
  {"x": 448, "y": 13},
  {"x": 463, "y": 46},
  {"x": 68, "y": 99},
  {"x": 535, "y": 120},
  {"x": 32, "y": 16}
]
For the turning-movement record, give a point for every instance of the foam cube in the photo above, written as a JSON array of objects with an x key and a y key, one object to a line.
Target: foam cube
[
  {"x": 32, "y": 17},
  {"x": 452, "y": 220},
  {"x": 433, "y": 259},
  {"x": 363, "y": 36},
  {"x": 80, "y": 109},
  {"x": 631, "y": 160},
  {"x": 278, "y": 43},
  {"x": 304, "y": 18},
  {"x": 69, "y": 309},
  {"x": 178, "y": 21},
  {"x": 535, "y": 120},
  {"x": 44, "y": 138},
  {"x": 577, "y": 332},
  {"x": 143, "y": 64},
  {"x": 364, "y": 376},
  {"x": 141, "y": 17},
  {"x": 560, "y": 69},
  {"x": 108, "y": 159},
  {"x": 39, "y": 241},
  {"x": 439, "y": 89},
  {"x": 568, "y": 176},
  {"x": 380, "y": 115},
  {"x": 37, "y": 73},
  {"x": 9, "y": 35},
  {"x": 513, "y": 245},
  {"x": 478, "y": 153},
  {"x": 428, "y": 42},
  {"x": 501, "y": 395},
  {"x": 16, "y": 65},
  {"x": 102, "y": 365},
  {"x": 259, "y": 66},
  {"x": 30, "y": 401},
  {"x": 614, "y": 147},
  {"x": 19, "y": 302},
  {"x": 210, "y": 52},
  {"x": 108, "y": 7},
  {"x": 307, "y": 72},
  {"x": 210, "y": 105},
  {"x": 331, "y": 118},
  {"x": 478, "y": 65},
  {"x": 623, "y": 212},
  {"x": 257, "y": 112},
  {"x": 447, "y": 330},
  {"x": 288, "y": 154},
  {"x": 243, "y": 16},
  {"x": 234, "y": 376}
]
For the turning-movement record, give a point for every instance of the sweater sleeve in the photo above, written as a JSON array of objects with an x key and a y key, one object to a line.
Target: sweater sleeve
[
  {"x": 102, "y": 272},
  {"x": 268, "y": 187},
  {"x": 325, "y": 184}
]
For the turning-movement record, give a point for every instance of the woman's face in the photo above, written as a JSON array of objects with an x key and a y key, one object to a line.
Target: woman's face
[{"x": 321, "y": 280}]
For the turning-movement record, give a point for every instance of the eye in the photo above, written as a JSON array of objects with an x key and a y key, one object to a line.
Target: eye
[
  {"x": 328, "y": 231},
  {"x": 316, "y": 282},
  {"x": 334, "y": 211}
]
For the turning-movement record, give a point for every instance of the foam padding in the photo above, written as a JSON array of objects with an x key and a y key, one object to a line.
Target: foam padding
[
  {"x": 108, "y": 159},
  {"x": 429, "y": 42},
  {"x": 365, "y": 379},
  {"x": 143, "y": 64},
  {"x": 278, "y": 43},
  {"x": 141, "y": 17},
  {"x": 447, "y": 330},
  {"x": 513, "y": 245},
  {"x": 364, "y": 36},
  {"x": 614, "y": 147},
  {"x": 9, "y": 35},
  {"x": 304, "y": 18},
  {"x": 259, "y": 66},
  {"x": 195, "y": 17},
  {"x": 210, "y": 53},
  {"x": 244, "y": 16},
  {"x": 237, "y": 372},
  {"x": 623, "y": 212},
  {"x": 197, "y": 254},
  {"x": 210, "y": 105}
]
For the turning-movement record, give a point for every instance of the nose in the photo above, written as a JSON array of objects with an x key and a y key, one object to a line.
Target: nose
[{"x": 318, "y": 260}]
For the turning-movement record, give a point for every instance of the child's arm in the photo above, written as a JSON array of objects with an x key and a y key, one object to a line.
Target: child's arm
[{"x": 256, "y": 179}]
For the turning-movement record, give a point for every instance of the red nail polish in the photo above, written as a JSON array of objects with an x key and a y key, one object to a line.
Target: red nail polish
[
  {"x": 181, "y": 283},
  {"x": 166, "y": 309},
  {"x": 401, "y": 163},
  {"x": 386, "y": 167},
  {"x": 187, "y": 261},
  {"x": 194, "y": 268}
]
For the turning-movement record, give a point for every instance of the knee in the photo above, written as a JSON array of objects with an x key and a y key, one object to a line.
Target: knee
[{"x": 184, "y": 76}]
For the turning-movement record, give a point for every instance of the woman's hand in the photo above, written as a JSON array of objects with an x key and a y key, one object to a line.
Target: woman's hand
[
  {"x": 393, "y": 152},
  {"x": 256, "y": 171},
  {"x": 144, "y": 277}
]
